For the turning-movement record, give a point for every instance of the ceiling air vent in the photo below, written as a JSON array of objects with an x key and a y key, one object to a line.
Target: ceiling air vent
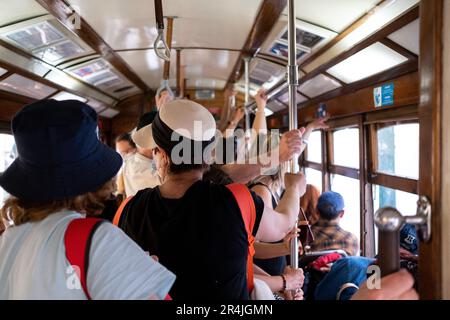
[
  {"x": 309, "y": 38},
  {"x": 205, "y": 94}
]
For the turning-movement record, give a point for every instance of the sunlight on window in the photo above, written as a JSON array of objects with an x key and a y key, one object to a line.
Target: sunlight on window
[
  {"x": 314, "y": 177},
  {"x": 346, "y": 147},
  {"x": 398, "y": 150},
  {"x": 349, "y": 189},
  {"x": 6, "y": 158},
  {"x": 314, "y": 150}
]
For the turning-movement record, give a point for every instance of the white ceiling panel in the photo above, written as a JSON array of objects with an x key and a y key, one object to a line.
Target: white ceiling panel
[
  {"x": 372, "y": 60},
  {"x": 332, "y": 14},
  {"x": 17, "y": 10},
  {"x": 205, "y": 23},
  {"x": 408, "y": 37},
  {"x": 209, "y": 64},
  {"x": 318, "y": 85},
  {"x": 386, "y": 13},
  {"x": 148, "y": 66},
  {"x": 202, "y": 67}
]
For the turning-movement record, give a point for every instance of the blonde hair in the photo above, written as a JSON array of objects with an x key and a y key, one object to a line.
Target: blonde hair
[{"x": 16, "y": 211}]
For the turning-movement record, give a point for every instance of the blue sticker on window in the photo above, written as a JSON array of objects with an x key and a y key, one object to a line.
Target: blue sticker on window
[{"x": 384, "y": 95}]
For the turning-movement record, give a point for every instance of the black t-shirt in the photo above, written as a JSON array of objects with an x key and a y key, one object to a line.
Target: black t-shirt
[{"x": 201, "y": 237}]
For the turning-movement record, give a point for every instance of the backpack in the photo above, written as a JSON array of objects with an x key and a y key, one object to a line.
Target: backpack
[{"x": 246, "y": 205}]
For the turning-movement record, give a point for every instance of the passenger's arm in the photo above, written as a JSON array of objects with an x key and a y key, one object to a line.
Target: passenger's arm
[
  {"x": 294, "y": 279},
  {"x": 396, "y": 286},
  {"x": 290, "y": 144},
  {"x": 113, "y": 277},
  {"x": 260, "y": 123},
  {"x": 315, "y": 125},
  {"x": 237, "y": 117},
  {"x": 275, "y": 224},
  {"x": 273, "y": 250},
  {"x": 264, "y": 194}
]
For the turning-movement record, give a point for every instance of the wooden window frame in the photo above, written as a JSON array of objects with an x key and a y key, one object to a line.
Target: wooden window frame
[{"x": 367, "y": 123}]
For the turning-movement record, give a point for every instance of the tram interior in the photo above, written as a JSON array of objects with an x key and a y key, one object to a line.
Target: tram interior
[{"x": 358, "y": 61}]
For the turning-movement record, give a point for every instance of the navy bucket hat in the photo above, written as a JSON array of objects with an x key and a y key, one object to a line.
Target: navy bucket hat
[{"x": 60, "y": 155}]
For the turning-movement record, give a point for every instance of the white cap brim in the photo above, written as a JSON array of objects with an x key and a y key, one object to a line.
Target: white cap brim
[{"x": 143, "y": 138}]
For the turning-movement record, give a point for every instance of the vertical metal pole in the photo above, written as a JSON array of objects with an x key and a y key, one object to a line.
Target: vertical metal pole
[
  {"x": 247, "y": 113},
  {"x": 247, "y": 92},
  {"x": 292, "y": 70}
]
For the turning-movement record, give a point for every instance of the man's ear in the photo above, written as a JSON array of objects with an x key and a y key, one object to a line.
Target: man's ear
[{"x": 341, "y": 214}]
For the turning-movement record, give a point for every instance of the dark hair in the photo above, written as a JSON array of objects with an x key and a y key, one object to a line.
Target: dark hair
[
  {"x": 126, "y": 137},
  {"x": 183, "y": 167}
]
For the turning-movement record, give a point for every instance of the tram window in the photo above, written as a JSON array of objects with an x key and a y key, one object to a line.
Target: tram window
[
  {"x": 398, "y": 150},
  {"x": 405, "y": 202},
  {"x": 314, "y": 177},
  {"x": 346, "y": 147},
  {"x": 314, "y": 150},
  {"x": 6, "y": 158},
  {"x": 350, "y": 190}
]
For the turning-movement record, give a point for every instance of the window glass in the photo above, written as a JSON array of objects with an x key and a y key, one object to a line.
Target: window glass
[
  {"x": 404, "y": 202},
  {"x": 346, "y": 147},
  {"x": 7, "y": 155},
  {"x": 314, "y": 177},
  {"x": 314, "y": 149},
  {"x": 350, "y": 190},
  {"x": 398, "y": 150}
]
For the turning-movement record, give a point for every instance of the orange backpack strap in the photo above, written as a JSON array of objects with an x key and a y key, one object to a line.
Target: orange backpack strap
[
  {"x": 77, "y": 241},
  {"x": 119, "y": 211},
  {"x": 246, "y": 204}
]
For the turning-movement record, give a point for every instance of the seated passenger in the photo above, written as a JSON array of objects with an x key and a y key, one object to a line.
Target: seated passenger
[
  {"x": 196, "y": 227},
  {"x": 62, "y": 173},
  {"x": 308, "y": 203},
  {"x": 328, "y": 235}
]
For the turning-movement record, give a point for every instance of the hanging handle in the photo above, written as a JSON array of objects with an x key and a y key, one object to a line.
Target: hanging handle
[
  {"x": 164, "y": 87},
  {"x": 164, "y": 52}
]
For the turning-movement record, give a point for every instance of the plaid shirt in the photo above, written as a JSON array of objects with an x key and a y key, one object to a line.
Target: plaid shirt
[{"x": 328, "y": 235}]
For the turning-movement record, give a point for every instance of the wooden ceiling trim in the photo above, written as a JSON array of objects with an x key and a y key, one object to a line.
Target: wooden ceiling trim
[
  {"x": 342, "y": 83},
  {"x": 341, "y": 36},
  {"x": 399, "y": 49},
  {"x": 6, "y": 75},
  {"x": 400, "y": 22},
  {"x": 268, "y": 15},
  {"x": 59, "y": 9},
  {"x": 380, "y": 35}
]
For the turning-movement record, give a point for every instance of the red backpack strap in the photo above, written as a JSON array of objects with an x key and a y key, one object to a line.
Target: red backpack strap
[
  {"x": 77, "y": 240},
  {"x": 246, "y": 204},
  {"x": 119, "y": 211}
]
